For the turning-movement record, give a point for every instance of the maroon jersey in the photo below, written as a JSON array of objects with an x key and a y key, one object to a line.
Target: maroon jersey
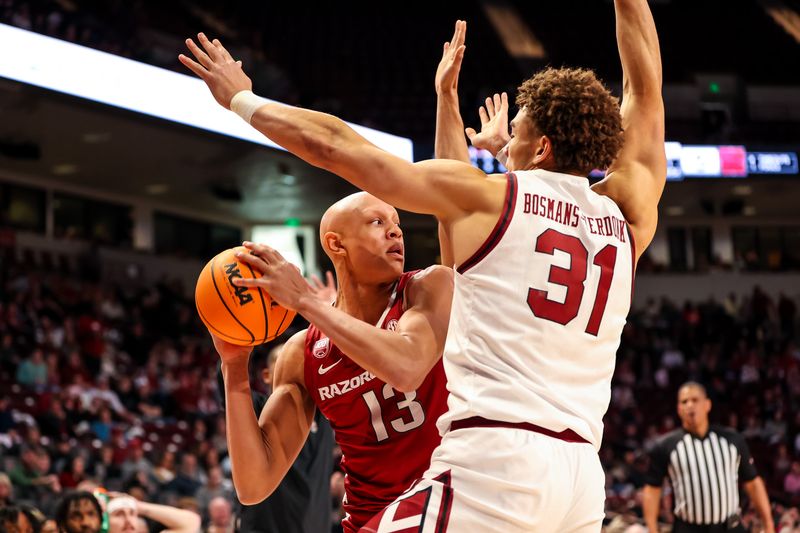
[{"x": 386, "y": 436}]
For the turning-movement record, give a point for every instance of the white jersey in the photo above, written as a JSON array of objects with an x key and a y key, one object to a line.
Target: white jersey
[{"x": 538, "y": 310}]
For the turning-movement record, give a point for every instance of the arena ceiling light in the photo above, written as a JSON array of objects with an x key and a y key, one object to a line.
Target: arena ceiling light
[
  {"x": 65, "y": 169},
  {"x": 102, "y": 77}
]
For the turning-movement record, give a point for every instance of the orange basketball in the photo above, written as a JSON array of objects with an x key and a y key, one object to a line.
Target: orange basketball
[{"x": 240, "y": 315}]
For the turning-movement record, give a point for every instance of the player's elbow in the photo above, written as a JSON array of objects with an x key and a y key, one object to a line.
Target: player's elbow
[
  {"x": 254, "y": 492},
  {"x": 408, "y": 377},
  {"x": 252, "y": 496},
  {"x": 192, "y": 522},
  {"x": 405, "y": 384}
]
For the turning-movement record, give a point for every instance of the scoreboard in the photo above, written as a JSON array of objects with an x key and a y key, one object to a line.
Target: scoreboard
[{"x": 691, "y": 161}]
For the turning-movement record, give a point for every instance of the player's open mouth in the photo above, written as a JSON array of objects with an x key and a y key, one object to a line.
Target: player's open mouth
[{"x": 396, "y": 251}]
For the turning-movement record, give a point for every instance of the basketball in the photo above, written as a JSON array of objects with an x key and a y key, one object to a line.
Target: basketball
[{"x": 246, "y": 316}]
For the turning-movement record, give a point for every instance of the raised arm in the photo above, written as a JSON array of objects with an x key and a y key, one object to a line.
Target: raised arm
[
  {"x": 403, "y": 357},
  {"x": 636, "y": 179},
  {"x": 450, "y": 142},
  {"x": 446, "y": 189},
  {"x": 262, "y": 450}
]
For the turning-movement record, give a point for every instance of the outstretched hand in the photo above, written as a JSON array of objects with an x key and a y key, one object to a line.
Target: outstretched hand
[
  {"x": 217, "y": 68},
  {"x": 450, "y": 64},
  {"x": 494, "y": 125},
  {"x": 324, "y": 291}
]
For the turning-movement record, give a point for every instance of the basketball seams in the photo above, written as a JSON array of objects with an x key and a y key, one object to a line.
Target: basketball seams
[
  {"x": 263, "y": 305},
  {"x": 218, "y": 331},
  {"x": 285, "y": 314},
  {"x": 222, "y": 299},
  {"x": 209, "y": 304}
]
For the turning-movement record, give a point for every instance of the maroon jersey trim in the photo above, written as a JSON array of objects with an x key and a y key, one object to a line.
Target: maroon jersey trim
[
  {"x": 633, "y": 259},
  {"x": 499, "y": 229},
  {"x": 447, "y": 502}
]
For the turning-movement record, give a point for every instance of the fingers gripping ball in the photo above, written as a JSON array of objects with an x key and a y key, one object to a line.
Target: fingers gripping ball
[{"x": 246, "y": 316}]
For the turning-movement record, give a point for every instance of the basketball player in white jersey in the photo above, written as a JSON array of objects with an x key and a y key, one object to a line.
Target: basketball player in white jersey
[{"x": 543, "y": 282}]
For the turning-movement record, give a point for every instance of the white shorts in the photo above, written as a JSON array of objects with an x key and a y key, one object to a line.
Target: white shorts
[{"x": 504, "y": 480}]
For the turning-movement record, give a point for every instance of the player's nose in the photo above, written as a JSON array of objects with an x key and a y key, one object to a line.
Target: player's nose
[{"x": 395, "y": 232}]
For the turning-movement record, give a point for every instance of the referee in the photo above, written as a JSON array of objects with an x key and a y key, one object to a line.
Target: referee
[{"x": 705, "y": 465}]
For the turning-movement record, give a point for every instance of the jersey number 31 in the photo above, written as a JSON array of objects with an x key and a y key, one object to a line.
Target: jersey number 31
[{"x": 573, "y": 278}]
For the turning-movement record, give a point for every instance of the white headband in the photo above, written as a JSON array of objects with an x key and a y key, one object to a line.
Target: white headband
[{"x": 121, "y": 503}]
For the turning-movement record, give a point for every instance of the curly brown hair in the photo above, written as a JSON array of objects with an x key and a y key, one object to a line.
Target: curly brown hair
[{"x": 579, "y": 115}]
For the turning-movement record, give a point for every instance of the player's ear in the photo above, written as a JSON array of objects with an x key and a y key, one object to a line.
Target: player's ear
[
  {"x": 332, "y": 243},
  {"x": 543, "y": 150}
]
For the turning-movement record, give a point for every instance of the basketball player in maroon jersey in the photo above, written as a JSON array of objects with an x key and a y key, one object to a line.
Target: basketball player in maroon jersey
[
  {"x": 543, "y": 281},
  {"x": 371, "y": 364}
]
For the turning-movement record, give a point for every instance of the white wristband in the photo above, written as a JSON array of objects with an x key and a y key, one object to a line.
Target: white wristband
[
  {"x": 245, "y": 104},
  {"x": 502, "y": 156}
]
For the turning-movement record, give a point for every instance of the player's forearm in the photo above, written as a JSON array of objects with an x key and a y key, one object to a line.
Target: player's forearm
[
  {"x": 175, "y": 520},
  {"x": 651, "y": 499},
  {"x": 445, "y": 247},
  {"x": 250, "y": 455},
  {"x": 758, "y": 495},
  {"x": 315, "y": 137},
  {"x": 449, "y": 142},
  {"x": 329, "y": 143},
  {"x": 638, "y": 48},
  {"x": 388, "y": 355}
]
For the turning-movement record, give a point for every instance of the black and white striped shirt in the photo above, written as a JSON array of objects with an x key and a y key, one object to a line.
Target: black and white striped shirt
[{"x": 704, "y": 473}]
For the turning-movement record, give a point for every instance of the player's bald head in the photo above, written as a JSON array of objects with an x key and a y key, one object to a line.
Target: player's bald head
[{"x": 339, "y": 217}]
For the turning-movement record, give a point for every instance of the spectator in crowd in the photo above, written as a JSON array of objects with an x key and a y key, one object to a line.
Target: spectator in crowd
[
  {"x": 14, "y": 520},
  {"x": 69, "y": 479},
  {"x": 35, "y": 517},
  {"x": 705, "y": 464},
  {"x": 105, "y": 467},
  {"x": 32, "y": 372},
  {"x": 136, "y": 462},
  {"x": 6, "y": 491},
  {"x": 103, "y": 425},
  {"x": 79, "y": 512},
  {"x": 32, "y": 478},
  {"x": 6, "y": 415},
  {"x": 189, "y": 478},
  {"x": 164, "y": 472},
  {"x": 216, "y": 487},
  {"x": 791, "y": 483},
  {"x": 220, "y": 515},
  {"x": 108, "y": 397},
  {"x": 124, "y": 511}
]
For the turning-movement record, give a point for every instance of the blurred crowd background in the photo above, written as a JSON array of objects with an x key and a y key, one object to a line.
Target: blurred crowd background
[{"x": 108, "y": 378}]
